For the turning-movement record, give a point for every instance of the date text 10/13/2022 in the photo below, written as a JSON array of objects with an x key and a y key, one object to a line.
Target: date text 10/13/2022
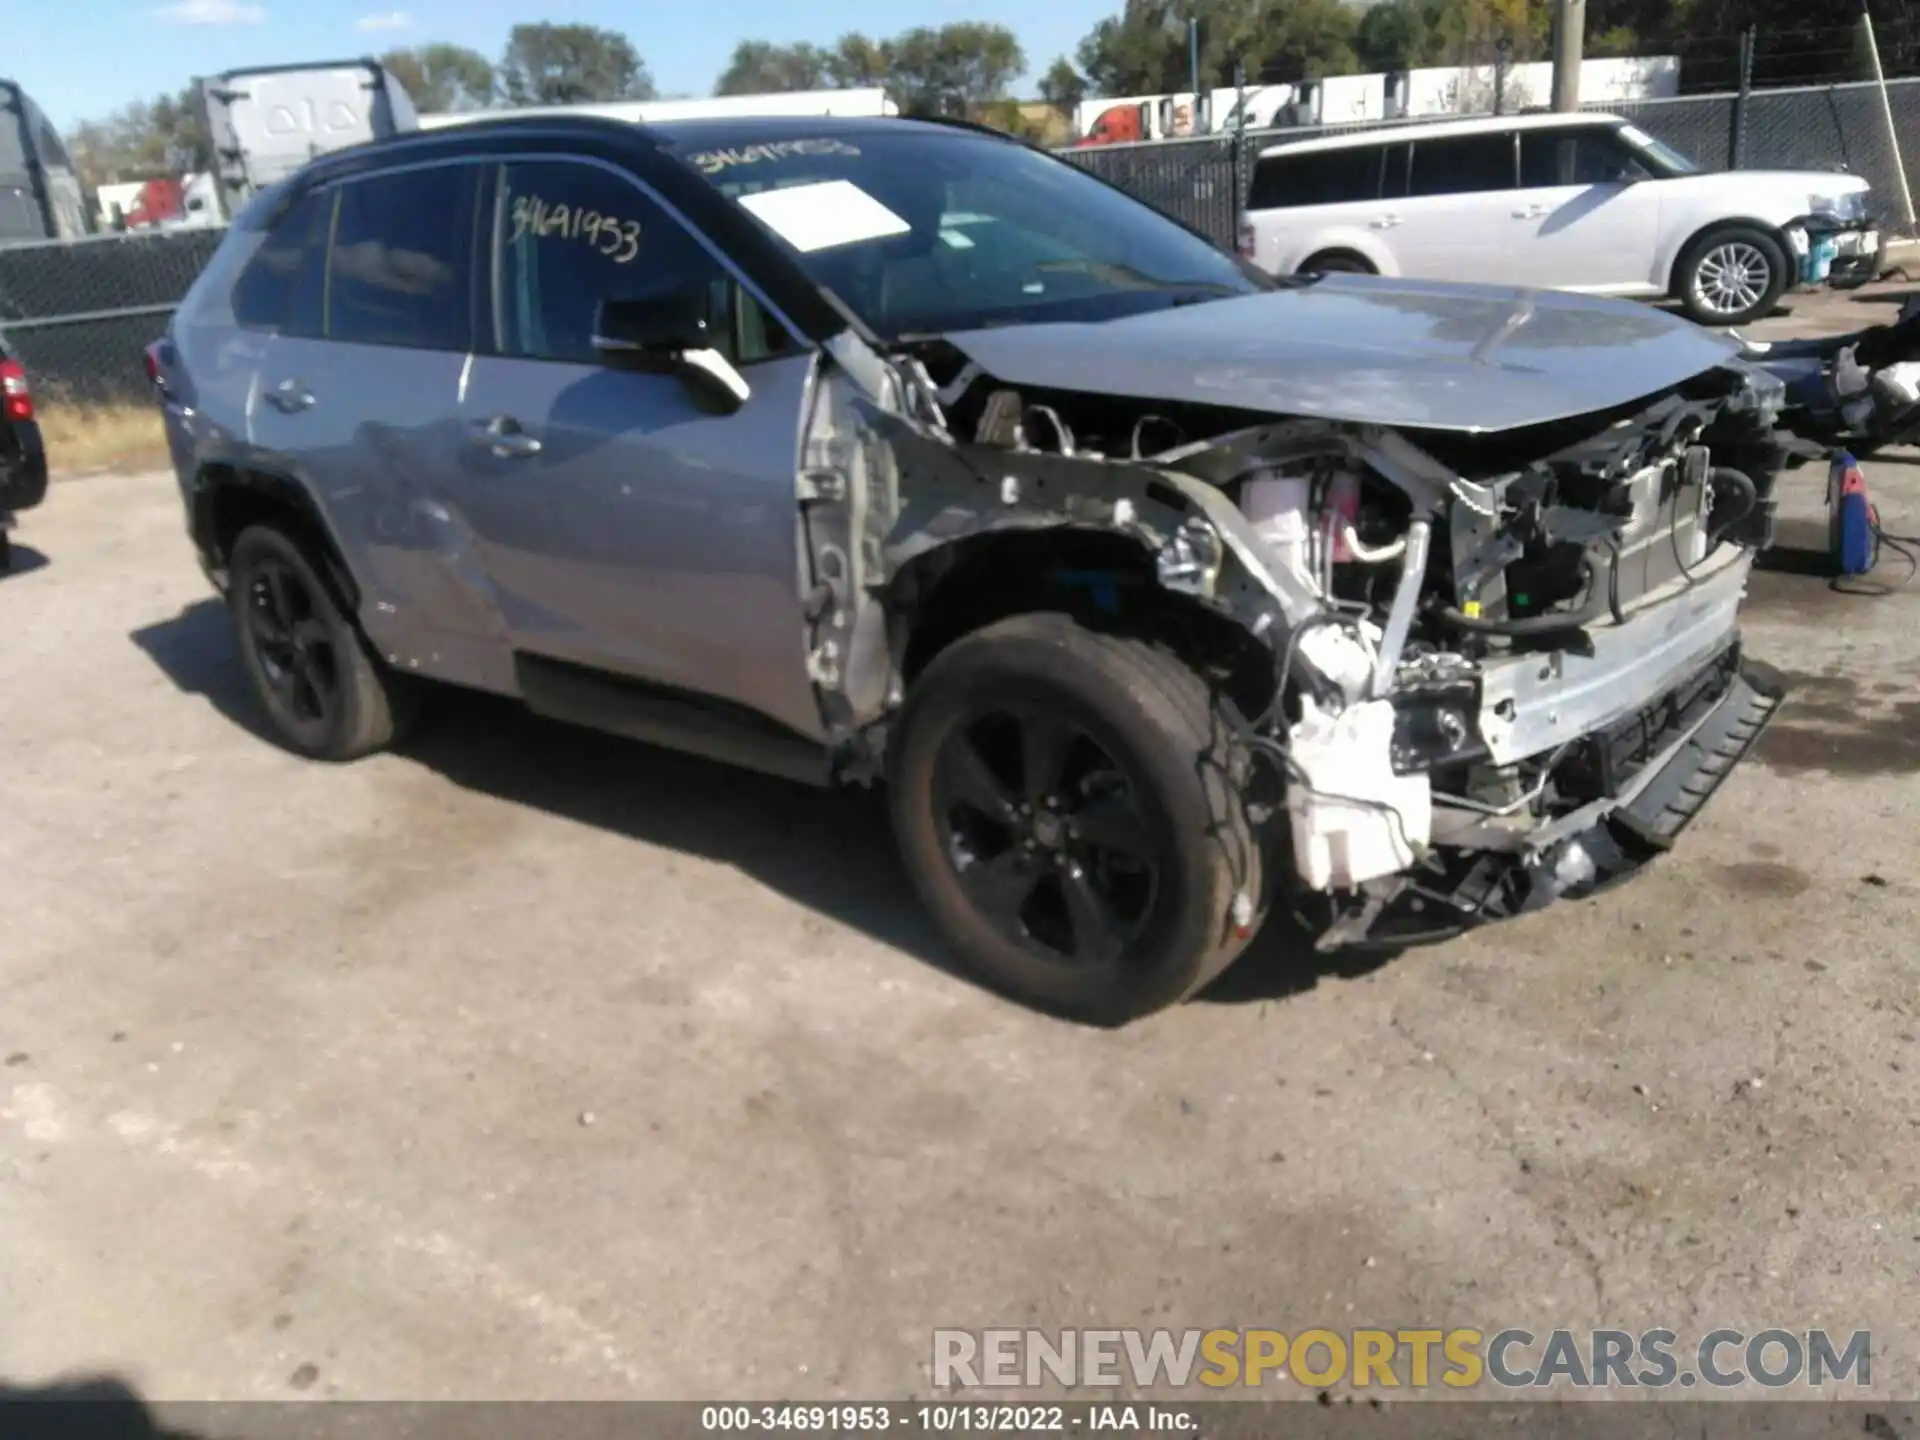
[{"x": 955, "y": 1418}]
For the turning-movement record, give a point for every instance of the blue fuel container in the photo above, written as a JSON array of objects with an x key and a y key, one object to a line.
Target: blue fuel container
[{"x": 1849, "y": 516}]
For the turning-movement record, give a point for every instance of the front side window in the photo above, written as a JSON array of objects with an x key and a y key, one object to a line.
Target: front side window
[
  {"x": 400, "y": 271},
  {"x": 1316, "y": 177},
  {"x": 1661, "y": 157},
  {"x": 280, "y": 289},
  {"x": 1462, "y": 165},
  {"x": 568, "y": 236},
  {"x": 1585, "y": 156},
  {"x": 920, "y": 230}
]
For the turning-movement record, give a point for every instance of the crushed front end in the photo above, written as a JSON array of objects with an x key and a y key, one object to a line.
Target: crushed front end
[
  {"x": 1505, "y": 665},
  {"x": 1557, "y": 682}
]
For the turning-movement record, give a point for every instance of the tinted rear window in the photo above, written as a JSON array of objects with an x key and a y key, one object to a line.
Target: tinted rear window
[
  {"x": 402, "y": 263},
  {"x": 1316, "y": 177},
  {"x": 1462, "y": 165},
  {"x": 280, "y": 288}
]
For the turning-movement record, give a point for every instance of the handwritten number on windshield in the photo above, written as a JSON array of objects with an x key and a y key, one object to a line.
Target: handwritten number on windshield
[{"x": 613, "y": 237}]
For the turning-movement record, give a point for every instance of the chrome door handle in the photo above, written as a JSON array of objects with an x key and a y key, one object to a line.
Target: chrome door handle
[
  {"x": 1385, "y": 222},
  {"x": 1532, "y": 212},
  {"x": 290, "y": 396},
  {"x": 503, "y": 436}
]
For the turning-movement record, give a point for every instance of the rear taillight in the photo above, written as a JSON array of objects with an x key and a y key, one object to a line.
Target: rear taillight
[
  {"x": 1245, "y": 239},
  {"x": 16, "y": 398}
]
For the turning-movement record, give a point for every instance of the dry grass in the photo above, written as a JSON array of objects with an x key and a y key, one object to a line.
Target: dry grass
[{"x": 82, "y": 437}]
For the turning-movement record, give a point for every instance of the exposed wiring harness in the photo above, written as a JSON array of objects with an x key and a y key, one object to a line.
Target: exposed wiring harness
[
  {"x": 1555, "y": 623},
  {"x": 1718, "y": 476}
]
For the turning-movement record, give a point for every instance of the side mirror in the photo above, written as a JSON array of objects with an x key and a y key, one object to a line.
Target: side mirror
[
  {"x": 657, "y": 326},
  {"x": 671, "y": 329}
]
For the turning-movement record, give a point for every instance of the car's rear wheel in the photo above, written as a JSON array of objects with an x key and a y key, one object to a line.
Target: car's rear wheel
[
  {"x": 1336, "y": 262},
  {"x": 1732, "y": 276},
  {"x": 325, "y": 694},
  {"x": 1070, "y": 808}
]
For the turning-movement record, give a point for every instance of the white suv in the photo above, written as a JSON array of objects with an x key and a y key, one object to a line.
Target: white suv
[{"x": 1566, "y": 201}]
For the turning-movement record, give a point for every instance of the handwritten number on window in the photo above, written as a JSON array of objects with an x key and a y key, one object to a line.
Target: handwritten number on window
[{"x": 613, "y": 237}]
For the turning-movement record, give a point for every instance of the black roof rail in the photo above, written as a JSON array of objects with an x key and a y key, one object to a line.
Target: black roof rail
[
  {"x": 287, "y": 68},
  {"x": 978, "y": 127}
]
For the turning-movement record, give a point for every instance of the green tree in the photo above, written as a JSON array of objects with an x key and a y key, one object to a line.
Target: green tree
[
  {"x": 149, "y": 139},
  {"x": 1142, "y": 50},
  {"x": 547, "y": 64},
  {"x": 952, "y": 69},
  {"x": 1284, "y": 40},
  {"x": 1392, "y": 35},
  {"x": 442, "y": 77},
  {"x": 1063, "y": 85},
  {"x": 857, "y": 62},
  {"x": 760, "y": 67}
]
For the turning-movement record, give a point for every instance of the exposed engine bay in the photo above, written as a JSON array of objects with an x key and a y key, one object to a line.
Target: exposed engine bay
[{"x": 1476, "y": 650}]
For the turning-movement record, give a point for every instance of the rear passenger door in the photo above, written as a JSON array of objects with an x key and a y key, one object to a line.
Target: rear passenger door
[
  {"x": 623, "y": 524},
  {"x": 358, "y": 397},
  {"x": 1452, "y": 220},
  {"x": 1589, "y": 212}
]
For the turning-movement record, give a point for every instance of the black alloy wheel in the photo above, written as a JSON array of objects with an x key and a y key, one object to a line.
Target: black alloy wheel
[
  {"x": 327, "y": 696},
  {"x": 1046, "y": 835},
  {"x": 1071, "y": 807},
  {"x": 294, "y": 648}
]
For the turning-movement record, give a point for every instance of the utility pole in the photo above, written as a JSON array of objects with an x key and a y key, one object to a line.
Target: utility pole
[
  {"x": 1569, "y": 44},
  {"x": 1886, "y": 113}
]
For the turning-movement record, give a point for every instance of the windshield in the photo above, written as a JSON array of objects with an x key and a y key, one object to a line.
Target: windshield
[
  {"x": 1666, "y": 159},
  {"x": 922, "y": 231}
]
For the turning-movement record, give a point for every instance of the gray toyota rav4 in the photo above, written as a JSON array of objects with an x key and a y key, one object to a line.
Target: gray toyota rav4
[{"x": 1161, "y": 595}]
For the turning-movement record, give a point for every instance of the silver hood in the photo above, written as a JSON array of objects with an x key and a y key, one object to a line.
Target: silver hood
[{"x": 1401, "y": 353}]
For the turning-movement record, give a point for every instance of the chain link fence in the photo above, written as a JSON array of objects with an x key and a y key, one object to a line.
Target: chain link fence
[
  {"x": 79, "y": 313},
  {"x": 1195, "y": 181}
]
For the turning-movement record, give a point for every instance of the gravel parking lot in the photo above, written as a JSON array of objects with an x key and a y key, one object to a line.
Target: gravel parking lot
[{"x": 532, "y": 1064}]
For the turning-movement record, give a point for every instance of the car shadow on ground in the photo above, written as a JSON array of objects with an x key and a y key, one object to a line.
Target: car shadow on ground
[
  {"x": 23, "y": 560},
  {"x": 103, "y": 1408},
  {"x": 830, "y": 850}
]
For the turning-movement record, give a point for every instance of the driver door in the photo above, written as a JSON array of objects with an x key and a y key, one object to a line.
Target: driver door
[
  {"x": 625, "y": 525},
  {"x": 1587, "y": 211}
]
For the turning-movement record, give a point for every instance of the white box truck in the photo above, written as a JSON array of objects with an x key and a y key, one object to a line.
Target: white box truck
[{"x": 266, "y": 122}]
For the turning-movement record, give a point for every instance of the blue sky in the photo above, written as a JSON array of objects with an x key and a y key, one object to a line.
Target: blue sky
[{"x": 100, "y": 54}]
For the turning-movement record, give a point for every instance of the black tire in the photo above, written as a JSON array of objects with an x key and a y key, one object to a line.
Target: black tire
[
  {"x": 325, "y": 694},
  {"x": 1719, "y": 280},
  {"x": 1335, "y": 262},
  {"x": 6, "y": 552},
  {"x": 1148, "y": 856}
]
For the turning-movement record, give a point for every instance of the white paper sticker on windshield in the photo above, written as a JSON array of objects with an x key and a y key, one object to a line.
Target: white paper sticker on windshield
[{"x": 820, "y": 216}]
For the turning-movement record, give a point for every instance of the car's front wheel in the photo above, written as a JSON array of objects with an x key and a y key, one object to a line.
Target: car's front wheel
[
  {"x": 1732, "y": 276},
  {"x": 1070, "y": 808},
  {"x": 326, "y": 695}
]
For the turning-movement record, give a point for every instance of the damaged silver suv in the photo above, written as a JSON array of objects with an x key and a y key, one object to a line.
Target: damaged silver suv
[{"x": 1160, "y": 593}]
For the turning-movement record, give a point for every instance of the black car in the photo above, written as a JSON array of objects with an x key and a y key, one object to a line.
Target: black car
[{"x": 23, "y": 459}]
